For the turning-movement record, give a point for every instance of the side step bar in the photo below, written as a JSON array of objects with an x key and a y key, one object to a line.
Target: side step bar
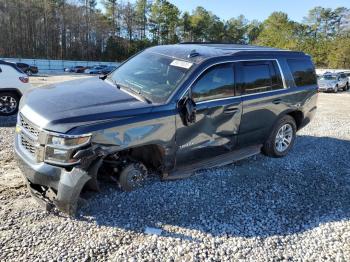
[{"x": 221, "y": 160}]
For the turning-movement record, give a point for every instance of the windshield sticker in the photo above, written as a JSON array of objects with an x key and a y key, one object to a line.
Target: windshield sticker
[{"x": 182, "y": 64}]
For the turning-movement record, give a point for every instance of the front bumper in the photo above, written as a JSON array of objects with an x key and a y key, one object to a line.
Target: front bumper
[
  {"x": 326, "y": 89},
  {"x": 50, "y": 185}
]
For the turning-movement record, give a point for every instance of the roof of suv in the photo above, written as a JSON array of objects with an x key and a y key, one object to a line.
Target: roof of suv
[{"x": 197, "y": 52}]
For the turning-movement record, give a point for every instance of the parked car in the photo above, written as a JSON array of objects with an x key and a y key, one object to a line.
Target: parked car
[
  {"x": 28, "y": 69},
  {"x": 108, "y": 69},
  {"x": 13, "y": 84},
  {"x": 333, "y": 82},
  {"x": 95, "y": 70},
  {"x": 75, "y": 69},
  {"x": 348, "y": 75},
  {"x": 167, "y": 111}
]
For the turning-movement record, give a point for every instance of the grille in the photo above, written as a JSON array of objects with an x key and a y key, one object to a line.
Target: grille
[
  {"x": 28, "y": 144},
  {"x": 29, "y": 126}
]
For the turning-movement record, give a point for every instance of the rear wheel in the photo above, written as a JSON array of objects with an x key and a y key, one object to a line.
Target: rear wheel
[
  {"x": 282, "y": 138},
  {"x": 8, "y": 103}
]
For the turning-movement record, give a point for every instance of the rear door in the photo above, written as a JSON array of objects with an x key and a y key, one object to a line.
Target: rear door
[
  {"x": 217, "y": 118},
  {"x": 263, "y": 96},
  {"x": 343, "y": 79}
]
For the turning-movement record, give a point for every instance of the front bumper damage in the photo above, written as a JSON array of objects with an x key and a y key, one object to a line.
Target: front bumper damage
[{"x": 56, "y": 187}]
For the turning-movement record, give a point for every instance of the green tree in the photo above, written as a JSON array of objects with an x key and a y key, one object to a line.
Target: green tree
[
  {"x": 165, "y": 19},
  {"x": 200, "y": 20},
  {"x": 142, "y": 9},
  {"x": 339, "y": 56},
  {"x": 236, "y": 30},
  {"x": 112, "y": 12},
  {"x": 254, "y": 29},
  {"x": 186, "y": 33},
  {"x": 278, "y": 31},
  {"x": 128, "y": 17}
]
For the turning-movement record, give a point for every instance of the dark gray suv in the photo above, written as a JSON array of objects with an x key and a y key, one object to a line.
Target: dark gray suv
[{"x": 167, "y": 111}]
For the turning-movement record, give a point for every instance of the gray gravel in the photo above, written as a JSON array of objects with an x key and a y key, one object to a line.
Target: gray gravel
[{"x": 295, "y": 208}]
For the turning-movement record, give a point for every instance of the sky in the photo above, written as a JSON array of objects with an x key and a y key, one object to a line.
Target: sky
[{"x": 257, "y": 9}]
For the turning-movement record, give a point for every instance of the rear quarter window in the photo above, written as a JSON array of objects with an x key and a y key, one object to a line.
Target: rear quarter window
[
  {"x": 303, "y": 72},
  {"x": 259, "y": 76}
]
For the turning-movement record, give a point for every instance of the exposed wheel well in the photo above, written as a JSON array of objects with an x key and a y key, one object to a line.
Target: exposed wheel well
[
  {"x": 150, "y": 155},
  {"x": 298, "y": 117},
  {"x": 11, "y": 90}
]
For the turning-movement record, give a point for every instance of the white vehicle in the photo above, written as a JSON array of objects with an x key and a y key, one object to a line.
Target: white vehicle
[
  {"x": 333, "y": 82},
  {"x": 347, "y": 73},
  {"x": 13, "y": 83}
]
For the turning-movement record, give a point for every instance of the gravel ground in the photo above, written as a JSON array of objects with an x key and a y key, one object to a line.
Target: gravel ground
[{"x": 295, "y": 208}]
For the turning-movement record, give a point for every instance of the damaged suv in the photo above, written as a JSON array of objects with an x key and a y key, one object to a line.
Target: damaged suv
[{"x": 167, "y": 111}]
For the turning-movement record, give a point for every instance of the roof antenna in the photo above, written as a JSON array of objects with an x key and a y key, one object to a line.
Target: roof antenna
[{"x": 193, "y": 53}]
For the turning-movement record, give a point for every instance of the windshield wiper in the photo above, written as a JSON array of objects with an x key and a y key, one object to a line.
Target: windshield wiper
[
  {"x": 128, "y": 88},
  {"x": 138, "y": 93},
  {"x": 112, "y": 80}
]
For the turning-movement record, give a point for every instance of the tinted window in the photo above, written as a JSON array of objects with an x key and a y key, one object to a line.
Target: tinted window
[
  {"x": 260, "y": 76},
  {"x": 342, "y": 75},
  {"x": 303, "y": 72},
  {"x": 216, "y": 82}
]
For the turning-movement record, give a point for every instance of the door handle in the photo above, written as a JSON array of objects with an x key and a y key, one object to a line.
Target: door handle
[
  {"x": 231, "y": 110},
  {"x": 277, "y": 101}
]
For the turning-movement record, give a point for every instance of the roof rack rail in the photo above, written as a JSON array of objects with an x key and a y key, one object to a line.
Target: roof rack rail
[{"x": 206, "y": 43}]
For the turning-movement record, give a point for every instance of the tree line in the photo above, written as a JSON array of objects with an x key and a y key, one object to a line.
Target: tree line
[{"x": 79, "y": 30}]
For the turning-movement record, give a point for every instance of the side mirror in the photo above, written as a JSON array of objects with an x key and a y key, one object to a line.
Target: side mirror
[
  {"x": 187, "y": 108},
  {"x": 102, "y": 77}
]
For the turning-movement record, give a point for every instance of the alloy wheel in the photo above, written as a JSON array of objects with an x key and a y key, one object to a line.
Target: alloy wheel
[
  {"x": 8, "y": 104},
  {"x": 284, "y": 138}
]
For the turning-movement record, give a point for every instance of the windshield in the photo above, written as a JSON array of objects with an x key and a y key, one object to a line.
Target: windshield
[
  {"x": 153, "y": 76},
  {"x": 328, "y": 77}
]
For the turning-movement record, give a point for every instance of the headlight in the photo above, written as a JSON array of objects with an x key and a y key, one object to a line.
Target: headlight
[
  {"x": 68, "y": 141},
  {"x": 60, "y": 148},
  {"x": 55, "y": 155}
]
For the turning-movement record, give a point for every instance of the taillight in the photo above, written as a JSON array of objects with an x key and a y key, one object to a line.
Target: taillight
[{"x": 24, "y": 79}]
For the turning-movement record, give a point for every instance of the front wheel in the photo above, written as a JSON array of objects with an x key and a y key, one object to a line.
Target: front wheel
[
  {"x": 8, "y": 103},
  {"x": 336, "y": 89},
  {"x": 133, "y": 176},
  {"x": 281, "y": 139}
]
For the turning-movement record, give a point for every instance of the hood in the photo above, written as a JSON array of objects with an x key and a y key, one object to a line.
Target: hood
[
  {"x": 325, "y": 81},
  {"x": 63, "y": 106}
]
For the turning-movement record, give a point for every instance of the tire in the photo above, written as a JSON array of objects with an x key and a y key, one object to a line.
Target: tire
[
  {"x": 346, "y": 88},
  {"x": 336, "y": 89},
  {"x": 9, "y": 102},
  {"x": 271, "y": 146},
  {"x": 132, "y": 177}
]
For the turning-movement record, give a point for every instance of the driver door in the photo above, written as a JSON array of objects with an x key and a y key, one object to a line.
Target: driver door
[{"x": 218, "y": 115}]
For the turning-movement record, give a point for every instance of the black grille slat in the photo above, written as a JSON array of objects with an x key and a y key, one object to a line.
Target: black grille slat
[
  {"x": 30, "y": 127},
  {"x": 29, "y": 138},
  {"x": 28, "y": 144}
]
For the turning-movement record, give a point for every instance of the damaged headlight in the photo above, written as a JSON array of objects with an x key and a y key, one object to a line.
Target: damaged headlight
[
  {"x": 61, "y": 148},
  {"x": 67, "y": 141}
]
